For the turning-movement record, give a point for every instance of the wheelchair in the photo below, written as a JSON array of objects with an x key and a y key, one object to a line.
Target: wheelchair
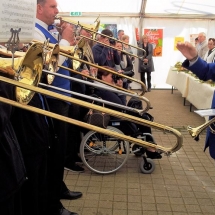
[{"x": 104, "y": 154}]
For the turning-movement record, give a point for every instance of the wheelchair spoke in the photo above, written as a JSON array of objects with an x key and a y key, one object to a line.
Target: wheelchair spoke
[{"x": 103, "y": 154}]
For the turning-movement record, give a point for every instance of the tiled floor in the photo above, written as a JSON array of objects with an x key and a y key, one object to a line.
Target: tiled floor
[{"x": 183, "y": 183}]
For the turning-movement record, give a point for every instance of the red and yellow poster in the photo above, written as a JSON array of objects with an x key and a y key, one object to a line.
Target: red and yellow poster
[
  {"x": 137, "y": 34},
  {"x": 156, "y": 39}
]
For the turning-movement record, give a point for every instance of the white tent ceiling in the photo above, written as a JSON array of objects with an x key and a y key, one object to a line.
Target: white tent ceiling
[{"x": 203, "y": 9}]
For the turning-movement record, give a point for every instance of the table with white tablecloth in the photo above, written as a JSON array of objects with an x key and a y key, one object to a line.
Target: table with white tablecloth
[
  {"x": 199, "y": 94},
  {"x": 179, "y": 80}
]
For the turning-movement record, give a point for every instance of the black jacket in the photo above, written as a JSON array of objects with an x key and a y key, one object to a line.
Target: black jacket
[
  {"x": 31, "y": 128},
  {"x": 105, "y": 56},
  {"x": 12, "y": 170}
]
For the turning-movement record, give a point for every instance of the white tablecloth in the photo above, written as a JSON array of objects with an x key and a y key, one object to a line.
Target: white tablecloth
[
  {"x": 179, "y": 80},
  {"x": 198, "y": 94}
]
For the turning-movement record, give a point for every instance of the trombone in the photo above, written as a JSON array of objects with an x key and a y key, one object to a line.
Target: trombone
[
  {"x": 50, "y": 58},
  {"x": 195, "y": 132},
  {"x": 166, "y": 129},
  {"x": 140, "y": 112},
  {"x": 28, "y": 70},
  {"x": 84, "y": 26},
  {"x": 123, "y": 51},
  {"x": 67, "y": 51}
]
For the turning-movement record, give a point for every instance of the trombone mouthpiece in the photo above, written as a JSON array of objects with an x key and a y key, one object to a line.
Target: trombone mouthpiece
[{"x": 56, "y": 21}]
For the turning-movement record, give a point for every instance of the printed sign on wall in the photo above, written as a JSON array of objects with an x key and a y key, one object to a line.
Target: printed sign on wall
[
  {"x": 192, "y": 39},
  {"x": 177, "y": 40},
  {"x": 156, "y": 39}
]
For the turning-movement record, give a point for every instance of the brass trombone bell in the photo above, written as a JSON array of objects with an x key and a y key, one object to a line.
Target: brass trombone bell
[
  {"x": 50, "y": 60},
  {"x": 76, "y": 51},
  {"x": 27, "y": 69}
]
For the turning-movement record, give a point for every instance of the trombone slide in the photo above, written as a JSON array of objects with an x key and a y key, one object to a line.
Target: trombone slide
[{"x": 166, "y": 129}]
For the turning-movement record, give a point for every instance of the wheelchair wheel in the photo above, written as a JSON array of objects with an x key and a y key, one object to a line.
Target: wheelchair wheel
[
  {"x": 147, "y": 166},
  {"x": 104, "y": 154}
]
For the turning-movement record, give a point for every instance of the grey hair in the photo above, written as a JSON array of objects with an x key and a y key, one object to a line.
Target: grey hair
[{"x": 203, "y": 34}]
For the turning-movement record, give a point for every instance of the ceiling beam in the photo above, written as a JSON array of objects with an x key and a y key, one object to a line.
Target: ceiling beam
[{"x": 144, "y": 15}]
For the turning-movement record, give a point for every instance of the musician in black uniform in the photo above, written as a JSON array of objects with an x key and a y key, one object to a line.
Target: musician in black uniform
[{"x": 12, "y": 169}]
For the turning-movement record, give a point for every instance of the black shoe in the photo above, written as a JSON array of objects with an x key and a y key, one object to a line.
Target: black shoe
[
  {"x": 74, "y": 168},
  {"x": 149, "y": 90},
  {"x": 153, "y": 155},
  {"x": 64, "y": 211},
  {"x": 70, "y": 195}
]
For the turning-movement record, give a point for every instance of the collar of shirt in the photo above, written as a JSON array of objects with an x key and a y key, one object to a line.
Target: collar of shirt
[{"x": 43, "y": 24}]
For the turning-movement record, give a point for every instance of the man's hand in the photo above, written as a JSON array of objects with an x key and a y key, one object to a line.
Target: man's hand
[
  {"x": 119, "y": 83},
  {"x": 67, "y": 32},
  {"x": 120, "y": 71},
  {"x": 187, "y": 49},
  {"x": 145, "y": 60},
  {"x": 105, "y": 41},
  {"x": 85, "y": 72}
]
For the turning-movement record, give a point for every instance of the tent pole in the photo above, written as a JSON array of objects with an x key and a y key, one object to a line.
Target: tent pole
[{"x": 142, "y": 14}]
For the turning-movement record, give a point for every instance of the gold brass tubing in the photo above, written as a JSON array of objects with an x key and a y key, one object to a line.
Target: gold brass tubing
[
  {"x": 111, "y": 71},
  {"x": 165, "y": 129},
  {"x": 62, "y": 52},
  {"x": 123, "y": 51},
  {"x": 195, "y": 132},
  {"x": 95, "y": 32},
  {"x": 93, "y": 78},
  {"x": 147, "y": 107}
]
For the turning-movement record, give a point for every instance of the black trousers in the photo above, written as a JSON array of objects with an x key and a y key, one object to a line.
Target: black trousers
[
  {"x": 143, "y": 79},
  {"x": 12, "y": 205},
  {"x": 74, "y": 138},
  {"x": 34, "y": 190},
  {"x": 56, "y": 155}
]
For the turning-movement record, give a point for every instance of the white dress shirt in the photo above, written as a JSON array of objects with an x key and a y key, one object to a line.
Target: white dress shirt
[{"x": 38, "y": 35}]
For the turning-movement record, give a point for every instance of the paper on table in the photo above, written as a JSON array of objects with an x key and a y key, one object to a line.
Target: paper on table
[{"x": 206, "y": 112}]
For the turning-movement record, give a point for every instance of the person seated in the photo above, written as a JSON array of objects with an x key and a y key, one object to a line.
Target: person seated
[{"x": 127, "y": 127}]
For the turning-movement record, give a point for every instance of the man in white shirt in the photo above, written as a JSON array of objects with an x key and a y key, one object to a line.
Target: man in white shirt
[
  {"x": 46, "y": 15},
  {"x": 202, "y": 46}
]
